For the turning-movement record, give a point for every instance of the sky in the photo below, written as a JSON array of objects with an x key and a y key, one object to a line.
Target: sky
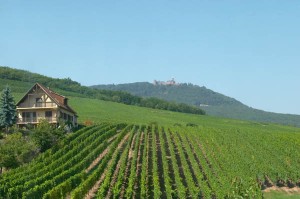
[{"x": 248, "y": 50}]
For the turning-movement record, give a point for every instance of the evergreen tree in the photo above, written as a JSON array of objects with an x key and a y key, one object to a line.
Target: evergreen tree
[{"x": 8, "y": 113}]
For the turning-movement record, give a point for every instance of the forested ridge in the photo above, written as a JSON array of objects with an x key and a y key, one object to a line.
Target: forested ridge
[
  {"x": 213, "y": 103},
  {"x": 184, "y": 93}
]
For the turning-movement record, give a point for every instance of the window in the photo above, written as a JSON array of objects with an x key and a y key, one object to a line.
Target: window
[
  {"x": 29, "y": 116},
  {"x": 38, "y": 102},
  {"x": 70, "y": 118},
  {"x": 48, "y": 114}
]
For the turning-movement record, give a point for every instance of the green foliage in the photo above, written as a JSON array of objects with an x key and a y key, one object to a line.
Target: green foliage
[
  {"x": 241, "y": 189},
  {"x": 8, "y": 113},
  {"x": 139, "y": 161},
  {"x": 16, "y": 150},
  {"x": 46, "y": 135}
]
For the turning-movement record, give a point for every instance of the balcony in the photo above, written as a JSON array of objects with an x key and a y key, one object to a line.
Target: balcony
[
  {"x": 45, "y": 104},
  {"x": 27, "y": 120}
]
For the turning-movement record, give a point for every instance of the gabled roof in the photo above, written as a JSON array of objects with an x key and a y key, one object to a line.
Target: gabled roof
[{"x": 60, "y": 100}]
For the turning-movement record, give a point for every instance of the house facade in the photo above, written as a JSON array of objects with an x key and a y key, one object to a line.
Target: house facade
[{"x": 42, "y": 103}]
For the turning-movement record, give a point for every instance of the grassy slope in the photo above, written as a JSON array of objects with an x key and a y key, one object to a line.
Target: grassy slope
[{"x": 98, "y": 111}]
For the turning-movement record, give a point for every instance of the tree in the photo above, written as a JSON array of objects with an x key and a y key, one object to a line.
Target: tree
[
  {"x": 8, "y": 113},
  {"x": 46, "y": 135},
  {"x": 16, "y": 150}
]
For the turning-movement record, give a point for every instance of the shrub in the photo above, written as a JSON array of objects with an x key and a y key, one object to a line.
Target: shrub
[{"x": 191, "y": 125}]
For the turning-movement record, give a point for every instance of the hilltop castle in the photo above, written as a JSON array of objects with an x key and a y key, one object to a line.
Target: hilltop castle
[{"x": 169, "y": 82}]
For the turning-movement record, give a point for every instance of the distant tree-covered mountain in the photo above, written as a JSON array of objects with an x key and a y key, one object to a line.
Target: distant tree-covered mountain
[
  {"x": 21, "y": 81},
  {"x": 212, "y": 102}
]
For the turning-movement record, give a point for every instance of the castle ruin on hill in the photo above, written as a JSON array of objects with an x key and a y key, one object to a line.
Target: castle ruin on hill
[{"x": 171, "y": 82}]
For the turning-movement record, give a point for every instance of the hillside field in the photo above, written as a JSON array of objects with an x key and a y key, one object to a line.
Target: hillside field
[
  {"x": 134, "y": 152},
  {"x": 139, "y": 161}
]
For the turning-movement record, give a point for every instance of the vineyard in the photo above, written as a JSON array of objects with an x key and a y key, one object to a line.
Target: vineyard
[{"x": 152, "y": 161}]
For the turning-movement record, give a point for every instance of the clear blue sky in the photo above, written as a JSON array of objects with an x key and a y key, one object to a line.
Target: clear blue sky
[{"x": 249, "y": 50}]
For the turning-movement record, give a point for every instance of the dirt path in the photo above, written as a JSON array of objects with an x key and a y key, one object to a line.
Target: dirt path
[
  {"x": 288, "y": 190},
  {"x": 99, "y": 158},
  {"x": 92, "y": 192}
]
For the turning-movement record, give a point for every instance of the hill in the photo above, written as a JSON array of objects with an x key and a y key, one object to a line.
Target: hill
[
  {"x": 19, "y": 81},
  {"x": 213, "y": 103}
]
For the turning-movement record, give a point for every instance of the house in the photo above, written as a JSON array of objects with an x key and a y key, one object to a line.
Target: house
[{"x": 42, "y": 103}]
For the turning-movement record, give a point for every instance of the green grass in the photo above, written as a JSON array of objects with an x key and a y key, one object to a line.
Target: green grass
[{"x": 99, "y": 111}]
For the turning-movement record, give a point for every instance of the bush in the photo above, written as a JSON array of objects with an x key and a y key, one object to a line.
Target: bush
[
  {"x": 46, "y": 135},
  {"x": 16, "y": 150},
  {"x": 191, "y": 125}
]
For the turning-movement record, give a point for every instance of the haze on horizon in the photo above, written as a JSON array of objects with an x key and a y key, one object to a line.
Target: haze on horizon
[{"x": 245, "y": 50}]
